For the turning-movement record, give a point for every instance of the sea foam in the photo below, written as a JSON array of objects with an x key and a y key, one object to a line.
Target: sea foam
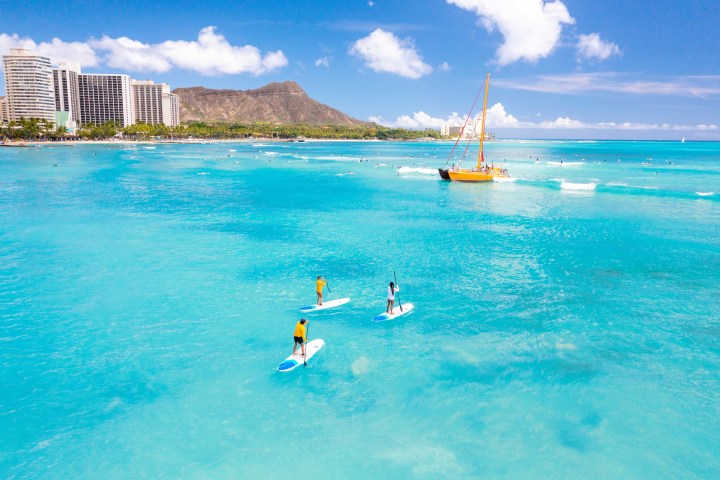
[
  {"x": 420, "y": 170},
  {"x": 577, "y": 186}
]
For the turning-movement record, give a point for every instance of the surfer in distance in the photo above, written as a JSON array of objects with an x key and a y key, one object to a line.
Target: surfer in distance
[
  {"x": 391, "y": 297},
  {"x": 300, "y": 336},
  {"x": 319, "y": 284}
]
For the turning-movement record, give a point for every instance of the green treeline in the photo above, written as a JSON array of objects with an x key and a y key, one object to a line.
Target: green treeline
[{"x": 35, "y": 129}]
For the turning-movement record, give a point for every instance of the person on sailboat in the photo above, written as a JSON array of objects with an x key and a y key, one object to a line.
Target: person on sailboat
[
  {"x": 391, "y": 296},
  {"x": 319, "y": 284},
  {"x": 300, "y": 336}
]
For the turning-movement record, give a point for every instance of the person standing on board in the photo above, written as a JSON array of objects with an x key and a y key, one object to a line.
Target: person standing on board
[
  {"x": 300, "y": 336},
  {"x": 319, "y": 284},
  {"x": 391, "y": 297}
]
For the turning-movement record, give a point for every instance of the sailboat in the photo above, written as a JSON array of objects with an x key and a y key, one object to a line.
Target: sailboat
[{"x": 481, "y": 173}]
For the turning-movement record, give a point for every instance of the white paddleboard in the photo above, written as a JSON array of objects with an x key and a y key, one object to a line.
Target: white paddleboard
[
  {"x": 294, "y": 361},
  {"x": 383, "y": 317},
  {"x": 325, "y": 305}
]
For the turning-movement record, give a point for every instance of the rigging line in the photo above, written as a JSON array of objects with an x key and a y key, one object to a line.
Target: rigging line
[
  {"x": 465, "y": 124},
  {"x": 465, "y": 152}
]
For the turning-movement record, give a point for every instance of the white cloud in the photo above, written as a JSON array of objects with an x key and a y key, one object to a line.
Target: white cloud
[
  {"x": 323, "y": 62},
  {"x": 419, "y": 120},
  {"x": 498, "y": 118},
  {"x": 371, "y": 4},
  {"x": 592, "y": 47},
  {"x": 210, "y": 54},
  {"x": 562, "y": 122},
  {"x": 530, "y": 28},
  {"x": 567, "y": 123},
  {"x": 687, "y": 86},
  {"x": 444, "y": 67},
  {"x": 131, "y": 55},
  {"x": 57, "y": 50},
  {"x": 383, "y": 52}
]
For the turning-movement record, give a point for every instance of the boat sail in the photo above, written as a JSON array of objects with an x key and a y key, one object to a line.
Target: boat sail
[{"x": 481, "y": 173}]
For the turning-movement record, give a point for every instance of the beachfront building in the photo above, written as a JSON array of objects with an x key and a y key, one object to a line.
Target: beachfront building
[
  {"x": 67, "y": 95},
  {"x": 28, "y": 86},
  {"x": 472, "y": 131},
  {"x": 171, "y": 110},
  {"x": 105, "y": 98},
  {"x": 449, "y": 130},
  {"x": 4, "y": 115},
  {"x": 154, "y": 104}
]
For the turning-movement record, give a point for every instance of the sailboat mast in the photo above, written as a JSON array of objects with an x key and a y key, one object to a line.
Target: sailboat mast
[{"x": 482, "y": 126}]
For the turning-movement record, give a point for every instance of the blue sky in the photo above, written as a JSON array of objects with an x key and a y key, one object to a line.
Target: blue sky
[{"x": 560, "y": 69}]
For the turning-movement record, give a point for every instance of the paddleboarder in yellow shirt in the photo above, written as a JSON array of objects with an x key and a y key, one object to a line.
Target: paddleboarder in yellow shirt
[
  {"x": 300, "y": 336},
  {"x": 319, "y": 284}
]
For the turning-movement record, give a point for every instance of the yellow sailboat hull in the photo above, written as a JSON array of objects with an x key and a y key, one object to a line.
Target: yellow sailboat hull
[{"x": 463, "y": 175}]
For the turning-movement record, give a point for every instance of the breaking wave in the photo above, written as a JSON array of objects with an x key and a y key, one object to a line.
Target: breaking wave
[{"x": 578, "y": 186}]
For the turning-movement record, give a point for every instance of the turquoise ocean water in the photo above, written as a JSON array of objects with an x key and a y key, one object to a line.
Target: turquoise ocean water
[{"x": 566, "y": 324}]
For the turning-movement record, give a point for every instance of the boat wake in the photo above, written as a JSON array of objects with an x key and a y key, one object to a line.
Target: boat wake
[{"x": 419, "y": 170}]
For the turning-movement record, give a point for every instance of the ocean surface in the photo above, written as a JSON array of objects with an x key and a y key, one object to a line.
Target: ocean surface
[{"x": 566, "y": 322}]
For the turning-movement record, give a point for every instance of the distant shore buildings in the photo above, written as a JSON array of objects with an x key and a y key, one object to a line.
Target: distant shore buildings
[
  {"x": 64, "y": 96},
  {"x": 471, "y": 131}
]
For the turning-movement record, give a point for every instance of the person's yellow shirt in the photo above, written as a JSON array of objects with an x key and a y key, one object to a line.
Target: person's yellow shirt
[
  {"x": 300, "y": 331},
  {"x": 320, "y": 284}
]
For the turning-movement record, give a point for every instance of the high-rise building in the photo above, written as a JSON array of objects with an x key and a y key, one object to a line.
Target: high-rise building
[
  {"x": 67, "y": 94},
  {"x": 106, "y": 98},
  {"x": 154, "y": 104},
  {"x": 171, "y": 110},
  {"x": 28, "y": 85},
  {"x": 4, "y": 115}
]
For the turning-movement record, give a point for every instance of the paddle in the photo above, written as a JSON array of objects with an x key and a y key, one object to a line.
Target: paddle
[
  {"x": 398, "y": 292},
  {"x": 328, "y": 286},
  {"x": 307, "y": 329}
]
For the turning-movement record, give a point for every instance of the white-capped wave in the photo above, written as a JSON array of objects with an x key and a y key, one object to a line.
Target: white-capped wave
[
  {"x": 565, "y": 164},
  {"x": 203, "y": 173},
  {"x": 504, "y": 179},
  {"x": 270, "y": 154},
  {"x": 577, "y": 186},
  {"x": 420, "y": 170},
  {"x": 260, "y": 145},
  {"x": 149, "y": 148},
  {"x": 614, "y": 184},
  {"x": 705, "y": 194},
  {"x": 232, "y": 150}
]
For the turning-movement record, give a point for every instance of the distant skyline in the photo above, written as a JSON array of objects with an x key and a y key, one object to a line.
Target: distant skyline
[{"x": 560, "y": 69}]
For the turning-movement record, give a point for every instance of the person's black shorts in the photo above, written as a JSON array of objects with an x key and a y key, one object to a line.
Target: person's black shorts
[{"x": 298, "y": 340}]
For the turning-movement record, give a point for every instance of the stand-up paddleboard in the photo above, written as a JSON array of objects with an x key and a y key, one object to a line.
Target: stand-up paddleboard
[
  {"x": 383, "y": 317},
  {"x": 294, "y": 361},
  {"x": 325, "y": 305}
]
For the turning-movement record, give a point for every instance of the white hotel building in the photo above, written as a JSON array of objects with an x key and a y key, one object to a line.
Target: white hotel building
[
  {"x": 105, "y": 98},
  {"x": 4, "y": 111},
  {"x": 65, "y": 96},
  {"x": 28, "y": 86},
  {"x": 154, "y": 104}
]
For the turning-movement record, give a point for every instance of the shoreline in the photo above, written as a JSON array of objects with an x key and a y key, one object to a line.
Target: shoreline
[
  {"x": 31, "y": 143},
  {"x": 37, "y": 143}
]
